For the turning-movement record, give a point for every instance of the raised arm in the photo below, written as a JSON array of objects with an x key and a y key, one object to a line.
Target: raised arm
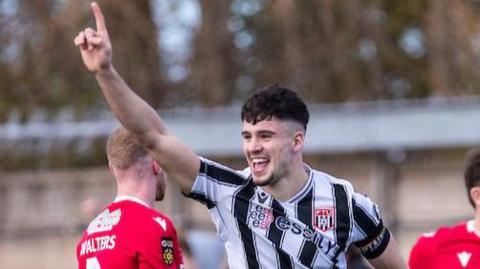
[{"x": 179, "y": 161}]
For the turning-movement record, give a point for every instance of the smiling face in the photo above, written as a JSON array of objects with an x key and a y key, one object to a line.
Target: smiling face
[
  {"x": 274, "y": 123},
  {"x": 270, "y": 147}
]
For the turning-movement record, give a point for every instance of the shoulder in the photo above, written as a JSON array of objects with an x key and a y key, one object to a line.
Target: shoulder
[
  {"x": 425, "y": 248},
  {"x": 445, "y": 233},
  {"x": 145, "y": 217},
  {"x": 222, "y": 173},
  {"x": 163, "y": 223},
  {"x": 130, "y": 208},
  {"x": 321, "y": 177},
  {"x": 154, "y": 225},
  {"x": 338, "y": 187},
  {"x": 429, "y": 242},
  {"x": 108, "y": 218}
]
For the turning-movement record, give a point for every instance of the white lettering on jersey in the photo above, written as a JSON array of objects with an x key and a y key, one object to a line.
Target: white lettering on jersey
[
  {"x": 104, "y": 221},
  {"x": 162, "y": 222},
  {"x": 96, "y": 244},
  {"x": 464, "y": 258}
]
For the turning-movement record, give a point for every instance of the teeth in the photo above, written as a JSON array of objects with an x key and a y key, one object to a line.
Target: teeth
[{"x": 259, "y": 160}]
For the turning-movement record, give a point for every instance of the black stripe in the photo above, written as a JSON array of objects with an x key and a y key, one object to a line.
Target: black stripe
[
  {"x": 304, "y": 212},
  {"x": 276, "y": 235},
  {"x": 240, "y": 211},
  {"x": 377, "y": 236},
  {"x": 201, "y": 198},
  {"x": 221, "y": 174},
  {"x": 203, "y": 167},
  {"x": 365, "y": 222},
  {"x": 305, "y": 209},
  {"x": 376, "y": 247},
  {"x": 342, "y": 230}
]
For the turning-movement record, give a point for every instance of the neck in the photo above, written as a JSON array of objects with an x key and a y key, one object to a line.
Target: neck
[
  {"x": 290, "y": 185},
  {"x": 139, "y": 188},
  {"x": 144, "y": 198},
  {"x": 476, "y": 224},
  {"x": 120, "y": 198}
]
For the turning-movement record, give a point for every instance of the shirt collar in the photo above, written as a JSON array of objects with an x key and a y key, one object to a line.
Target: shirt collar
[
  {"x": 305, "y": 188},
  {"x": 129, "y": 198}
]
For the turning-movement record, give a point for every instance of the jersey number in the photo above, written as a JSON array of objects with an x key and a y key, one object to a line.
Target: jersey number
[{"x": 92, "y": 263}]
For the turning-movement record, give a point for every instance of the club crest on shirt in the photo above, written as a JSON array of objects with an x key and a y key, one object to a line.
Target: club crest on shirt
[
  {"x": 324, "y": 218},
  {"x": 167, "y": 250}
]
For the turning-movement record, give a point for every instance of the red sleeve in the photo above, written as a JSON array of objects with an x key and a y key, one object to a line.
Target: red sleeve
[
  {"x": 159, "y": 245},
  {"x": 421, "y": 252},
  {"x": 178, "y": 252}
]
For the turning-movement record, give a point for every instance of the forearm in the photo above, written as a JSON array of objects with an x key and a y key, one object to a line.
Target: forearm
[
  {"x": 139, "y": 118},
  {"x": 133, "y": 112},
  {"x": 390, "y": 258}
]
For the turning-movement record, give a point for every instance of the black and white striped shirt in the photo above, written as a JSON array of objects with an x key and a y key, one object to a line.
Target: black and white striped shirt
[{"x": 311, "y": 230}]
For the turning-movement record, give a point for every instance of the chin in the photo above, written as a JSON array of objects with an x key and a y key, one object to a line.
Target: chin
[{"x": 263, "y": 181}]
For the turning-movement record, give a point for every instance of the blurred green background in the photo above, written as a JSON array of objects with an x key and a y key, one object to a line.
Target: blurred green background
[{"x": 214, "y": 53}]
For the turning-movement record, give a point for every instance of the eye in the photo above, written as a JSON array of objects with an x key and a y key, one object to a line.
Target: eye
[
  {"x": 265, "y": 135},
  {"x": 246, "y": 136}
]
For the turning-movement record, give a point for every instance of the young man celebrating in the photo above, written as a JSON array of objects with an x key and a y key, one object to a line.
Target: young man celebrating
[
  {"x": 458, "y": 246},
  {"x": 277, "y": 213},
  {"x": 130, "y": 233}
]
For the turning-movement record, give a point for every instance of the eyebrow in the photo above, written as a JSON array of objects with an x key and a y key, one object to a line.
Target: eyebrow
[
  {"x": 266, "y": 132},
  {"x": 259, "y": 132}
]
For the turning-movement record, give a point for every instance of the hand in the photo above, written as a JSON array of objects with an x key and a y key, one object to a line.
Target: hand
[{"x": 95, "y": 46}]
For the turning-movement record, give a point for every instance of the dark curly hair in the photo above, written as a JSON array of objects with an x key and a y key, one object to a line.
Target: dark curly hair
[
  {"x": 472, "y": 172},
  {"x": 275, "y": 101}
]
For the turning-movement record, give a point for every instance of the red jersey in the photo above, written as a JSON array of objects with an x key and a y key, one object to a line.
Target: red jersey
[
  {"x": 449, "y": 248},
  {"x": 129, "y": 235}
]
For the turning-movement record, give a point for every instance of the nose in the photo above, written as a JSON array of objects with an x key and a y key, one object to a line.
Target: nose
[{"x": 254, "y": 146}]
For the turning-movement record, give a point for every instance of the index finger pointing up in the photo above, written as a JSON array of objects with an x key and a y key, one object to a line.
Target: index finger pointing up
[{"x": 99, "y": 19}]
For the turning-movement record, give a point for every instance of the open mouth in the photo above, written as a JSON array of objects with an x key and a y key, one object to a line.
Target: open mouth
[{"x": 259, "y": 164}]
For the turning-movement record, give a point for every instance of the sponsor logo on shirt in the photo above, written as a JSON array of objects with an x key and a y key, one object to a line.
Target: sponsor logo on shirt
[
  {"x": 167, "y": 250},
  {"x": 324, "y": 218},
  {"x": 262, "y": 197},
  {"x": 260, "y": 217},
  {"x": 321, "y": 241},
  {"x": 464, "y": 258},
  {"x": 162, "y": 222},
  {"x": 104, "y": 221}
]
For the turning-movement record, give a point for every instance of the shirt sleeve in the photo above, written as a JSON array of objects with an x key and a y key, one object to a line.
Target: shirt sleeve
[
  {"x": 215, "y": 182},
  {"x": 158, "y": 246},
  {"x": 370, "y": 235},
  {"x": 178, "y": 252}
]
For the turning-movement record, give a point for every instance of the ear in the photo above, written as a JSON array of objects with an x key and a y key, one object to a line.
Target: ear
[
  {"x": 298, "y": 141},
  {"x": 475, "y": 195},
  {"x": 156, "y": 168},
  {"x": 110, "y": 167}
]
